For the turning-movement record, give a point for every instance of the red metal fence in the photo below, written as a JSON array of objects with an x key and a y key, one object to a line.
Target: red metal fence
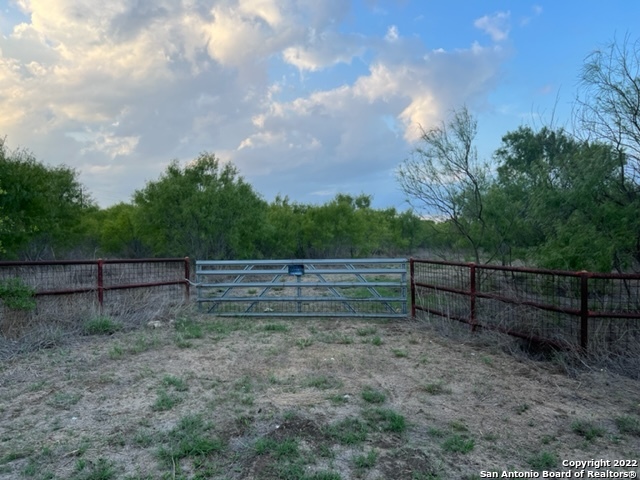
[
  {"x": 112, "y": 285},
  {"x": 592, "y": 311}
]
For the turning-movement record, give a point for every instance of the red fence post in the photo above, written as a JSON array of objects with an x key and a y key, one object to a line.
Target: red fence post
[
  {"x": 100, "y": 284},
  {"x": 584, "y": 310},
  {"x": 187, "y": 284},
  {"x": 472, "y": 295},
  {"x": 413, "y": 287}
]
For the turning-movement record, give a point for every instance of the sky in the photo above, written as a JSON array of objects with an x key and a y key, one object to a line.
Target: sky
[{"x": 307, "y": 98}]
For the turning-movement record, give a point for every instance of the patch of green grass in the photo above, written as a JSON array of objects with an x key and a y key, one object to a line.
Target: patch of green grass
[
  {"x": 436, "y": 432},
  {"x": 304, "y": 342},
  {"x": 176, "y": 382},
  {"x": 274, "y": 327},
  {"x": 587, "y": 429},
  {"x": 101, "y": 325},
  {"x": 191, "y": 437},
  {"x": 628, "y": 424},
  {"x": 64, "y": 400},
  {"x": 252, "y": 291},
  {"x": 116, "y": 352},
  {"x": 377, "y": 341},
  {"x": 487, "y": 360},
  {"x": 543, "y": 461},
  {"x": 385, "y": 419},
  {"x": 165, "y": 401},
  {"x": 103, "y": 469},
  {"x": 458, "y": 426},
  {"x": 363, "y": 332},
  {"x": 37, "y": 386},
  {"x": 323, "y": 382},
  {"x": 398, "y": 352},
  {"x": 325, "y": 475},
  {"x": 366, "y": 461},
  {"x": 349, "y": 431},
  {"x": 338, "y": 398},
  {"x": 142, "y": 344},
  {"x": 143, "y": 439},
  {"x": 371, "y": 395},
  {"x": 188, "y": 329},
  {"x": 436, "y": 388},
  {"x": 458, "y": 444},
  {"x": 286, "y": 448}
]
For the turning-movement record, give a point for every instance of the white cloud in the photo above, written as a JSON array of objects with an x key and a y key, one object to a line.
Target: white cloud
[
  {"x": 496, "y": 25},
  {"x": 392, "y": 34},
  {"x": 117, "y": 89}
]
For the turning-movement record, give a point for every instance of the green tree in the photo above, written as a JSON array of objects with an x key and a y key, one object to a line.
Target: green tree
[
  {"x": 552, "y": 198},
  {"x": 41, "y": 205},
  {"x": 608, "y": 111},
  {"x": 445, "y": 178},
  {"x": 204, "y": 210}
]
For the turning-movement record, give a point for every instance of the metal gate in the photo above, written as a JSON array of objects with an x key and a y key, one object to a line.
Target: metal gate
[{"x": 373, "y": 287}]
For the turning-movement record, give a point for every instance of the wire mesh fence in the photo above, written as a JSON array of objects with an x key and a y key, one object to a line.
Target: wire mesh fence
[
  {"x": 67, "y": 292},
  {"x": 582, "y": 310}
]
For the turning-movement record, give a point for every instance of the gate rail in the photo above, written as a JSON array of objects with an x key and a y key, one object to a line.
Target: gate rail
[{"x": 374, "y": 287}]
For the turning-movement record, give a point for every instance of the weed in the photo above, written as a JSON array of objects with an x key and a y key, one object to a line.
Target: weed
[
  {"x": 587, "y": 429},
  {"x": 400, "y": 353},
  {"x": 349, "y": 431},
  {"x": 338, "y": 398},
  {"x": 181, "y": 342},
  {"x": 487, "y": 360},
  {"x": 543, "y": 461},
  {"x": 377, "y": 341},
  {"x": 190, "y": 438},
  {"x": 101, "y": 325},
  {"x": 366, "y": 461},
  {"x": 373, "y": 396},
  {"x": 116, "y": 352},
  {"x": 244, "y": 385},
  {"x": 385, "y": 419},
  {"x": 304, "y": 342},
  {"x": 179, "y": 384},
  {"x": 520, "y": 409},
  {"x": 17, "y": 295},
  {"x": 323, "y": 476},
  {"x": 252, "y": 291},
  {"x": 64, "y": 400},
  {"x": 458, "y": 444},
  {"x": 274, "y": 327},
  {"x": 143, "y": 439},
  {"x": 458, "y": 426},
  {"x": 287, "y": 448},
  {"x": 142, "y": 344},
  {"x": 165, "y": 401},
  {"x": 101, "y": 470},
  {"x": 363, "y": 332},
  {"x": 323, "y": 382},
  {"x": 628, "y": 424},
  {"x": 436, "y": 388},
  {"x": 435, "y": 432}
]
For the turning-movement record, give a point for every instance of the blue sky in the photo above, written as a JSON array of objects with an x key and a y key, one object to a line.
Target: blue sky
[{"x": 307, "y": 98}]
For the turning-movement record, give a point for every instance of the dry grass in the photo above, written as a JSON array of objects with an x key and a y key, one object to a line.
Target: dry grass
[{"x": 207, "y": 397}]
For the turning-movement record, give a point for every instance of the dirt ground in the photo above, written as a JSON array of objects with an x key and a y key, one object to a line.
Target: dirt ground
[{"x": 207, "y": 397}]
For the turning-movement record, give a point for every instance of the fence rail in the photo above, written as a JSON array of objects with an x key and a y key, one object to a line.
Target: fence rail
[
  {"x": 79, "y": 285},
  {"x": 298, "y": 288},
  {"x": 590, "y": 311}
]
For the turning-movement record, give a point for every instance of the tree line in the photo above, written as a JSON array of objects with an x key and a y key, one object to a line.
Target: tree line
[
  {"x": 548, "y": 196},
  {"x": 204, "y": 210}
]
